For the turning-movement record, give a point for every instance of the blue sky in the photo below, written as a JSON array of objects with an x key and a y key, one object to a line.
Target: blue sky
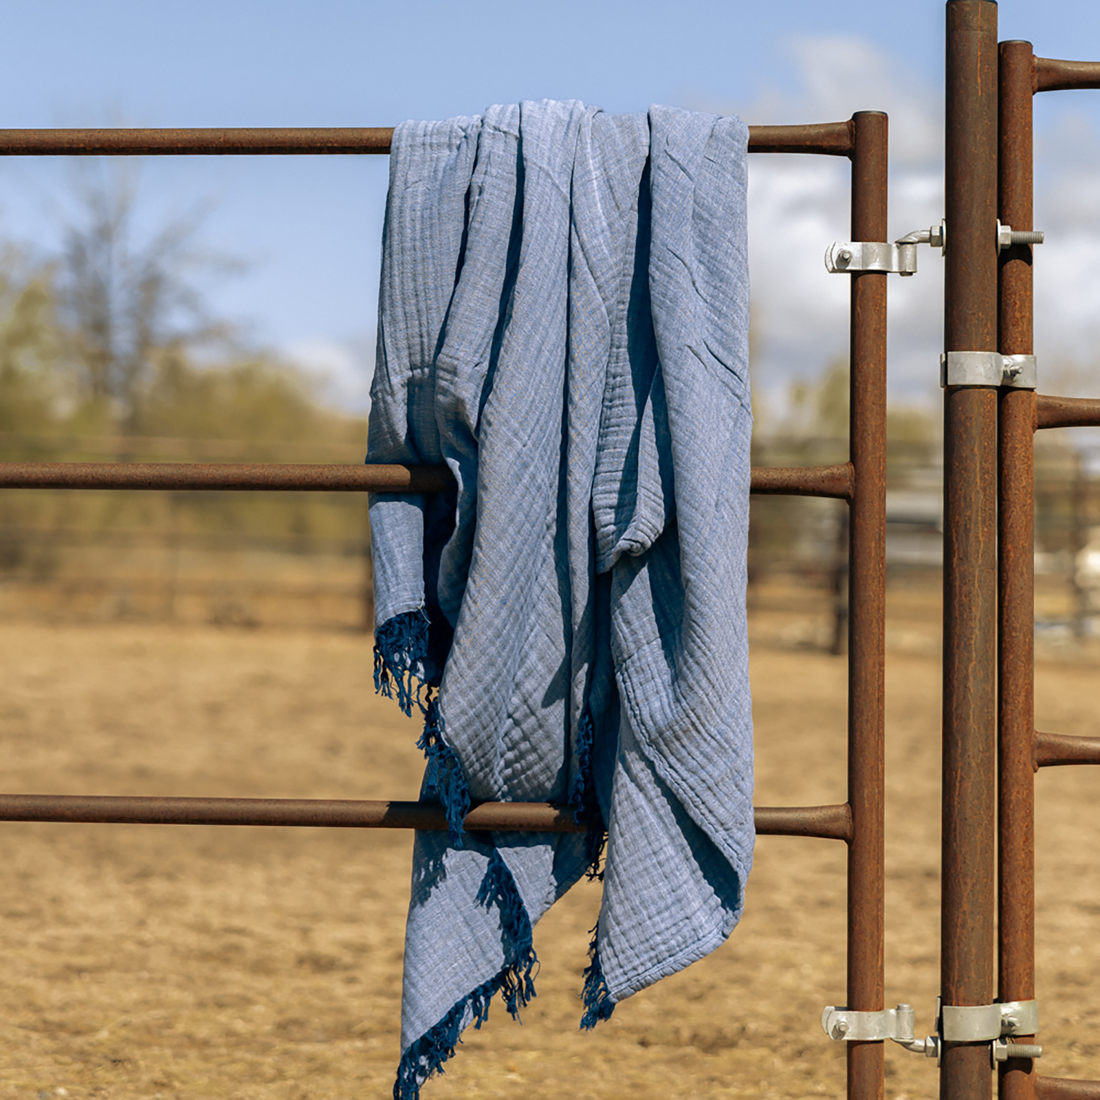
[{"x": 308, "y": 228}]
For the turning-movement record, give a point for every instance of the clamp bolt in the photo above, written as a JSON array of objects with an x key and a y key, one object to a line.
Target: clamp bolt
[
  {"x": 1003, "y": 1050},
  {"x": 1007, "y": 236}
]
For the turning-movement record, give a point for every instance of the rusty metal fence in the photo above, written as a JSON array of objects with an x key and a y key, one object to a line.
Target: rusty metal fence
[
  {"x": 243, "y": 560},
  {"x": 860, "y": 482},
  {"x": 988, "y": 567},
  {"x": 1021, "y": 749}
]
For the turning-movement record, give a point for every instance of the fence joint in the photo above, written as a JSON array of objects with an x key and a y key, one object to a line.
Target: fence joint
[
  {"x": 988, "y": 368},
  {"x": 954, "y": 1024}
]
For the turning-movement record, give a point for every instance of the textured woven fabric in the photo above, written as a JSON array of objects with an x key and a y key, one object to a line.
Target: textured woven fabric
[{"x": 564, "y": 323}]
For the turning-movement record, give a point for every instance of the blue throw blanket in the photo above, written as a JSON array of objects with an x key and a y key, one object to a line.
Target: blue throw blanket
[{"x": 564, "y": 323}]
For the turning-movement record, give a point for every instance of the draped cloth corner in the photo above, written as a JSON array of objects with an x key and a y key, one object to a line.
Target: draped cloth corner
[{"x": 564, "y": 322}]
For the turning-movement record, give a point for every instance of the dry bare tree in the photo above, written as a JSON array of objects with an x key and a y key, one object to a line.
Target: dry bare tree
[{"x": 125, "y": 296}]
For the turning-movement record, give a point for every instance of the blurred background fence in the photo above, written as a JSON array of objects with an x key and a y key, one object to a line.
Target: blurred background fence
[
  {"x": 109, "y": 352},
  {"x": 287, "y": 559},
  {"x": 797, "y": 545},
  {"x": 105, "y": 358},
  {"x": 234, "y": 559}
]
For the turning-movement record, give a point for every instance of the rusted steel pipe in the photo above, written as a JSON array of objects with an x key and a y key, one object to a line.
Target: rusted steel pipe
[
  {"x": 828, "y": 822},
  {"x": 1016, "y": 570},
  {"x": 1053, "y": 749},
  {"x": 327, "y": 813},
  {"x": 269, "y": 476},
  {"x": 830, "y": 138},
  {"x": 1052, "y": 75},
  {"x": 825, "y": 822},
  {"x": 821, "y": 481},
  {"x": 806, "y": 481},
  {"x": 1066, "y": 412},
  {"x": 1063, "y": 1088},
  {"x": 969, "y": 722},
  {"x": 970, "y": 537},
  {"x": 248, "y": 140},
  {"x": 866, "y": 605}
]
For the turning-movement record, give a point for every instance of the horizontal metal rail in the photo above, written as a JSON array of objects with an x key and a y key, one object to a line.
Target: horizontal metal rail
[
  {"x": 271, "y": 476},
  {"x": 835, "y": 139},
  {"x": 828, "y": 822},
  {"x": 1052, "y": 75},
  {"x": 1052, "y": 749},
  {"x": 806, "y": 481},
  {"x": 1063, "y": 1088},
  {"x": 828, "y": 138},
  {"x": 822, "y": 481},
  {"x": 249, "y": 140},
  {"x": 1066, "y": 412}
]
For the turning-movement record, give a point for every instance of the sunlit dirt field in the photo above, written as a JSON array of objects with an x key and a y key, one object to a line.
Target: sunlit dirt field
[{"x": 187, "y": 962}]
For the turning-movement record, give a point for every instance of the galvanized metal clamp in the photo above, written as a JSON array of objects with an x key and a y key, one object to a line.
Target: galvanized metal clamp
[
  {"x": 994, "y": 1024},
  {"x": 988, "y": 368},
  {"x": 954, "y": 1024},
  {"x": 899, "y": 258},
  {"x": 849, "y": 1025},
  {"x": 846, "y": 257}
]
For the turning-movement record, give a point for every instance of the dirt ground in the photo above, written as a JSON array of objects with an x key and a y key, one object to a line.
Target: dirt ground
[{"x": 263, "y": 964}]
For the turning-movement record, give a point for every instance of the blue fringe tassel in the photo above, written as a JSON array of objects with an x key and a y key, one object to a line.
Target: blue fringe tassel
[
  {"x": 517, "y": 978},
  {"x": 400, "y": 648},
  {"x": 427, "y": 1054},
  {"x": 598, "y": 1004},
  {"x": 444, "y": 779},
  {"x": 400, "y": 651},
  {"x": 582, "y": 800},
  {"x": 582, "y": 781},
  {"x": 595, "y": 839}
]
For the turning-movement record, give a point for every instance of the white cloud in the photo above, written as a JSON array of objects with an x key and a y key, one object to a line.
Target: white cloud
[
  {"x": 342, "y": 369},
  {"x": 799, "y": 205},
  {"x": 1067, "y": 265},
  {"x": 838, "y": 75},
  {"x": 845, "y": 74}
]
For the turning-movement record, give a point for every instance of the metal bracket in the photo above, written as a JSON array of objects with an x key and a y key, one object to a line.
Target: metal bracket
[
  {"x": 851, "y": 256},
  {"x": 1021, "y": 372},
  {"x": 992, "y": 1023},
  {"x": 849, "y": 1025},
  {"x": 899, "y": 258},
  {"x": 936, "y": 236},
  {"x": 970, "y": 1023},
  {"x": 978, "y": 1023},
  {"x": 988, "y": 368},
  {"x": 954, "y": 1024},
  {"x": 1019, "y": 1017}
]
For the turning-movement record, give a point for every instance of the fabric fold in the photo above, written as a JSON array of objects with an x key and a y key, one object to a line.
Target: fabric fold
[{"x": 563, "y": 321}]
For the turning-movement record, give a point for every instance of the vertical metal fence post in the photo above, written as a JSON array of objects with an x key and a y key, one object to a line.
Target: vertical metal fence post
[
  {"x": 866, "y": 607},
  {"x": 970, "y": 577},
  {"x": 1016, "y": 570}
]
